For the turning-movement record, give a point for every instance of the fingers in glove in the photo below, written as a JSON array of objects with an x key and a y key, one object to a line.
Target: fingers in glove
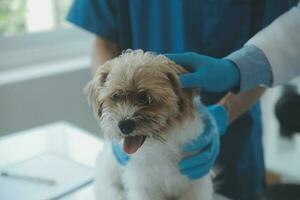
[
  {"x": 189, "y": 163},
  {"x": 121, "y": 156},
  {"x": 200, "y": 171},
  {"x": 201, "y": 141},
  {"x": 200, "y": 161},
  {"x": 183, "y": 59},
  {"x": 191, "y": 80}
]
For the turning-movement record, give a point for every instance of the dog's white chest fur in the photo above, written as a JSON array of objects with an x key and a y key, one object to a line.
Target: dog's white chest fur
[{"x": 152, "y": 172}]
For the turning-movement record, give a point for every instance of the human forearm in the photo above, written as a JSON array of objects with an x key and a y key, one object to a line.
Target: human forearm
[
  {"x": 254, "y": 67},
  {"x": 103, "y": 50},
  {"x": 237, "y": 105},
  {"x": 280, "y": 42}
]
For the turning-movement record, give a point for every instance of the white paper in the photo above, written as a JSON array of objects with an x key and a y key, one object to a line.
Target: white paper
[{"x": 67, "y": 174}]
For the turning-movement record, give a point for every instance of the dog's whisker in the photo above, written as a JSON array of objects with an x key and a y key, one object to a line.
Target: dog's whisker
[{"x": 158, "y": 137}]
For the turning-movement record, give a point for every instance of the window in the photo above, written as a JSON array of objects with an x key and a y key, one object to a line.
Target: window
[
  {"x": 28, "y": 16},
  {"x": 35, "y": 31}
]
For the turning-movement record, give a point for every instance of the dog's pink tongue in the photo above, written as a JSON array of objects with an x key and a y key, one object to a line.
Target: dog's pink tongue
[{"x": 132, "y": 144}]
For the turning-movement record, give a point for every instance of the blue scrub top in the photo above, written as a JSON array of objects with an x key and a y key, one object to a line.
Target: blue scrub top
[{"x": 211, "y": 27}]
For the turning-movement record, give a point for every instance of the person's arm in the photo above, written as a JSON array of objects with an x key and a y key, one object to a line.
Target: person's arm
[
  {"x": 100, "y": 19},
  {"x": 103, "y": 50},
  {"x": 238, "y": 104},
  {"x": 272, "y": 56}
]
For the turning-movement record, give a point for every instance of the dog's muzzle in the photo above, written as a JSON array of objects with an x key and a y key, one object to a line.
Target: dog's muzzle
[
  {"x": 126, "y": 126},
  {"x": 131, "y": 143}
]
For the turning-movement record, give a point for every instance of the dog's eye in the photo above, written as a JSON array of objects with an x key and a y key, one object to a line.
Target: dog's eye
[
  {"x": 115, "y": 97},
  {"x": 143, "y": 98},
  {"x": 99, "y": 112}
]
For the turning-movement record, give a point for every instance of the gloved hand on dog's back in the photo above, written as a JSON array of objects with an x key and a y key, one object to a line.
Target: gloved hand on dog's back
[
  {"x": 206, "y": 146},
  {"x": 208, "y": 73}
]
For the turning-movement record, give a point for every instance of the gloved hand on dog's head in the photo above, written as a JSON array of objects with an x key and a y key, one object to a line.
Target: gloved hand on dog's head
[
  {"x": 206, "y": 146},
  {"x": 208, "y": 73}
]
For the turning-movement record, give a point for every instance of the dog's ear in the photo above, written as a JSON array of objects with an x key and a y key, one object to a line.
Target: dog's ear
[
  {"x": 102, "y": 73},
  {"x": 185, "y": 96},
  {"x": 93, "y": 88}
]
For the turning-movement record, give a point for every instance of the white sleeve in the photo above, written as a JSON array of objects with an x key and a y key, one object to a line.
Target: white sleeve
[{"x": 280, "y": 42}]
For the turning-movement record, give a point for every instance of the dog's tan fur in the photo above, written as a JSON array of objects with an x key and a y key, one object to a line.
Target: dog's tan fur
[{"x": 135, "y": 72}]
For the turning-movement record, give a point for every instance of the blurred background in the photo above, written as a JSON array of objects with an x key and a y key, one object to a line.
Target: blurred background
[
  {"x": 45, "y": 120},
  {"x": 45, "y": 64}
]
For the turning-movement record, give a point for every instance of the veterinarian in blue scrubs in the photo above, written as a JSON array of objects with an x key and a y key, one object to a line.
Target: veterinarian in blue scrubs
[{"x": 208, "y": 27}]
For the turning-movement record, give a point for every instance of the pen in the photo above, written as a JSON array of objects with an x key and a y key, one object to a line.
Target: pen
[{"x": 29, "y": 178}]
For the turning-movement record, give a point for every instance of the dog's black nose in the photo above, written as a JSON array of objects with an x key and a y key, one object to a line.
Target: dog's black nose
[{"x": 126, "y": 126}]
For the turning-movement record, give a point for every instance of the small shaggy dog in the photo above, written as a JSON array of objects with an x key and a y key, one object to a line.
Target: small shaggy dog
[{"x": 139, "y": 104}]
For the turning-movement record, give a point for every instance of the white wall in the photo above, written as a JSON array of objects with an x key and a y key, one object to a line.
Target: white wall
[{"x": 43, "y": 96}]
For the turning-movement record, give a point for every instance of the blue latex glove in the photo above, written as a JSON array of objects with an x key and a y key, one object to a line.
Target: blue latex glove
[
  {"x": 206, "y": 146},
  {"x": 208, "y": 73},
  {"x": 120, "y": 155}
]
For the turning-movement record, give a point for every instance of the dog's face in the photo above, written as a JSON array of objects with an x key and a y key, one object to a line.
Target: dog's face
[{"x": 138, "y": 95}]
